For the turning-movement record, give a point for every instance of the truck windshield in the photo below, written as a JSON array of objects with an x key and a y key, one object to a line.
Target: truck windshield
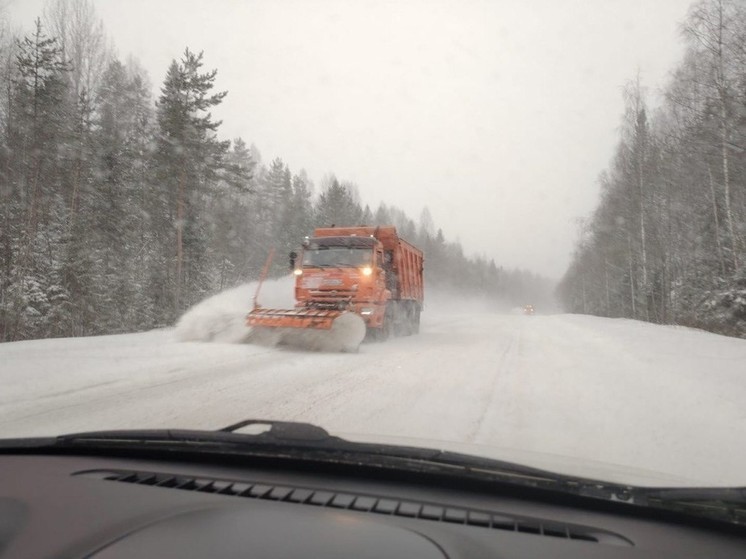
[{"x": 337, "y": 256}]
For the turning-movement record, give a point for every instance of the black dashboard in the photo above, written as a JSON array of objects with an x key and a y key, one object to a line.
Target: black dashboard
[{"x": 107, "y": 507}]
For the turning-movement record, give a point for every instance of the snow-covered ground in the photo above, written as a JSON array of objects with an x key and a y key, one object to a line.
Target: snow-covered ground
[{"x": 658, "y": 398}]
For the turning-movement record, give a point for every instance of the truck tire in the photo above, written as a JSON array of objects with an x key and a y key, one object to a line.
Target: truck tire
[
  {"x": 416, "y": 318},
  {"x": 412, "y": 322},
  {"x": 388, "y": 329},
  {"x": 408, "y": 323},
  {"x": 402, "y": 318}
]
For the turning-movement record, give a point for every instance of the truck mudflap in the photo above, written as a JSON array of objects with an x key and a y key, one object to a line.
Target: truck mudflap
[{"x": 312, "y": 329}]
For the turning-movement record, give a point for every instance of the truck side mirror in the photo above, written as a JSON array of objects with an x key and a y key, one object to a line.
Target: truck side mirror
[{"x": 293, "y": 256}]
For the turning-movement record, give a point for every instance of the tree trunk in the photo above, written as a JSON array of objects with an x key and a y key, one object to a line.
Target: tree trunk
[
  {"x": 718, "y": 243},
  {"x": 721, "y": 87},
  {"x": 735, "y": 245},
  {"x": 76, "y": 191},
  {"x": 606, "y": 278},
  {"x": 632, "y": 293},
  {"x": 180, "y": 213},
  {"x": 643, "y": 240}
]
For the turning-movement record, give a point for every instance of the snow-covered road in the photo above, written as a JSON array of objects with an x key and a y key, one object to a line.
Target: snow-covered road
[{"x": 661, "y": 398}]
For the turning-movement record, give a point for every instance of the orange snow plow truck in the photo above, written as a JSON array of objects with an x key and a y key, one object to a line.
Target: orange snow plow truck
[{"x": 367, "y": 271}]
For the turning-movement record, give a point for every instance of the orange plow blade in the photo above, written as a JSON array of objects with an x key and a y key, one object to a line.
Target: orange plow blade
[
  {"x": 292, "y": 318},
  {"x": 316, "y": 330}
]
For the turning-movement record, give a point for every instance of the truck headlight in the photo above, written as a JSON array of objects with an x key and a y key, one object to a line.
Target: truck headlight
[
  {"x": 367, "y": 271},
  {"x": 366, "y": 312},
  {"x": 298, "y": 272}
]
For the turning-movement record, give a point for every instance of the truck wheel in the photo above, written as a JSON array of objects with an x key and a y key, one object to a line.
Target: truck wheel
[
  {"x": 399, "y": 317},
  {"x": 387, "y": 330},
  {"x": 413, "y": 318},
  {"x": 416, "y": 320},
  {"x": 408, "y": 318},
  {"x": 389, "y": 327}
]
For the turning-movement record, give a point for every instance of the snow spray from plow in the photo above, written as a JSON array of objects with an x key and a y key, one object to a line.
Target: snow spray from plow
[{"x": 222, "y": 319}]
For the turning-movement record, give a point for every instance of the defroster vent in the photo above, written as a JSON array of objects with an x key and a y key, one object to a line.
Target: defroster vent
[{"x": 364, "y": 503}]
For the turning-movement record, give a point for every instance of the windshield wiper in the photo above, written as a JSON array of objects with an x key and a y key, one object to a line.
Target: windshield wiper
[
  {"x": 719, "y": 503},
  {"x": 304, "y": 441},
  {"x": 271, "y": 434}
]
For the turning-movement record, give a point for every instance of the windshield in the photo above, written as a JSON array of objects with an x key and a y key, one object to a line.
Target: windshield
[
  {"x": 529, "y": 219},
  {"x": 337, "y": 256}
]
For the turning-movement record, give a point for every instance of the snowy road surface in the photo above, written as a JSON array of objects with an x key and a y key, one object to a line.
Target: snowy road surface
[{"x": 662, "y": 398}]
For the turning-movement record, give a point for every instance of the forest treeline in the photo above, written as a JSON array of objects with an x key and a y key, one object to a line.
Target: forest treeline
[
  {"x": 118, "y": 210},
  {"x": 666, "y": 243}
]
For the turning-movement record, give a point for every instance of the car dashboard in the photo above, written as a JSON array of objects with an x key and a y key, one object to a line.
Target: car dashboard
[{"x": 107, "y": 507}]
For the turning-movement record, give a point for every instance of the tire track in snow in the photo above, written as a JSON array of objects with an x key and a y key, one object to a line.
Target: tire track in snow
[
  {"x": 503, "y": 370},
  {"x": 299, "y": 402},
  {"x": 116, "y": 392},
  {"x": 354, "y": 377},
  {"x": 436, "y": 384}
]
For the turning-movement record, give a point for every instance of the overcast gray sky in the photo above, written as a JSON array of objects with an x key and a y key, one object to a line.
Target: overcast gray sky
[{"x": 498, "y": 116}]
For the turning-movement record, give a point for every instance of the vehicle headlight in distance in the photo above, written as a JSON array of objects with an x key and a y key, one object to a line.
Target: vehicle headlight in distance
[
  {"x": 367, "y": 271},
  {"x": 366, "y": 312},
  {"x": 298, "y": 272}
]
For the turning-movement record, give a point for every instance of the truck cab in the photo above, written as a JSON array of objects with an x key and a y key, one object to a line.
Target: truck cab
[{"x": 344, "y": 272}]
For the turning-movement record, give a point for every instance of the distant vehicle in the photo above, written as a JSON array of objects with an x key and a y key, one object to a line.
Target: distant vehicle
[
  {"x": 368, "y": 271},
  {"x": 528, "y": 310}
]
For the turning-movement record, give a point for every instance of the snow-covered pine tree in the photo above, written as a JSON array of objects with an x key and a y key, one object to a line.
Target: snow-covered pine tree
[{"x": 189, "y": 159}]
